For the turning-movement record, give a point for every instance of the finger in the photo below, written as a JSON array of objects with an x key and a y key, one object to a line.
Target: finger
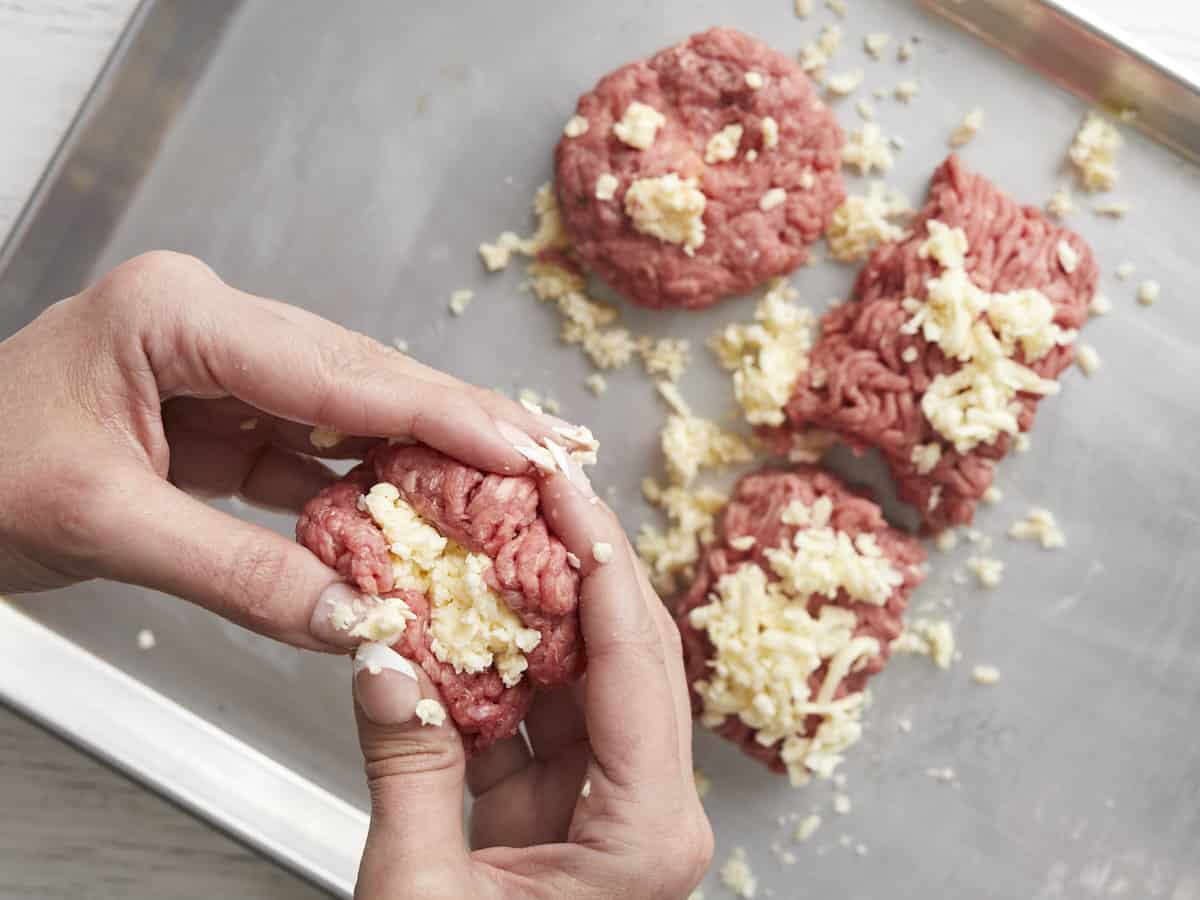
[
  {"x": 234, "y": 420},
  {"x": 629, "y": 705},
  {"x": 556, "y": 722},
  {"x": 497, "y": 763},
  {"x": 415, "y": 773},
  {"x": 323, "y": 376},
  {"x": 676, "y": 672},
  {"x": 145, "y": 531},
  {"x": 264, "y": 475},
  {"x": 537, "y": 424}
]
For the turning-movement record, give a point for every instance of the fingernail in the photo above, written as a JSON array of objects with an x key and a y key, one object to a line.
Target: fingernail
[
  {"x": 337, "y": 611},
  {"x": 578, "y": 478},
  {"x": 385, "y": 685},
  {"x": 374, "y": 657},
  {"x": 524, "y": 444},
  {"x": 513, "y": 434}
]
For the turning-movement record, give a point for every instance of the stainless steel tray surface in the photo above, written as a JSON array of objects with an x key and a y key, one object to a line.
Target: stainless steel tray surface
[{"x": 350, "y": 157}]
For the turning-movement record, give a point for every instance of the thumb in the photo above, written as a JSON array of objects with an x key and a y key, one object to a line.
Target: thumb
[{"x": 416, "y": 775}]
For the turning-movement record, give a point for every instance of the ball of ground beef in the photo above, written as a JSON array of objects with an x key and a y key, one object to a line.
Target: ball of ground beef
[
  {"x": 788, "y": 154},
  {"x": 865, "y": 377},
  {"x": 494, "y": 515},
  {"x": 752, "y": 524}
]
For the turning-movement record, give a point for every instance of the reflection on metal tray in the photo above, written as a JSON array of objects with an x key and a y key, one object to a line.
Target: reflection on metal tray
[{"x": 349, "y": 157}]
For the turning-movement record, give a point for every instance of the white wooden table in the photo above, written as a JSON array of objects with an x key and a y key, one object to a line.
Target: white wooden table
[{"x": 69, "y": 827}]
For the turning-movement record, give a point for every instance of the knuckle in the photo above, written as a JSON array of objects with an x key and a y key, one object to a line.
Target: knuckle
[
  {"x": 393, "y": 760},
  {"x": 140, "y": 280},
  {"x": 341, "y": 366},
  {"x": 257, "y": 576}
]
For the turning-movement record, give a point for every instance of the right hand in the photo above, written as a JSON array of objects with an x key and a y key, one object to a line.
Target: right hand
[{"x": 625, "y": 730}]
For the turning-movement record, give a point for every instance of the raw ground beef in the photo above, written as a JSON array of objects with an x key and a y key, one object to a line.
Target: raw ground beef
[
  {"x": 700, "y": 87},
  {"x": 870, "y": 397},
  {"x": 756, "y": 509},
  {"x": 491, "y": 514}
]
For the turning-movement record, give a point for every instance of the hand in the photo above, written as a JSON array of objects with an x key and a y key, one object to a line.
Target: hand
[
  {"x": 625, "y": 731},
  {"x": 161, "y": 379}
]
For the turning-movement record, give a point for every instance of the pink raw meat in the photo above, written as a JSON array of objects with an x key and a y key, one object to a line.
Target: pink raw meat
[
  {"x": 491, "y": 514},
  {"x": 700, "y": 87},
  {"x": 756, "y": 510},
  {"x": 870, "y": 397}
]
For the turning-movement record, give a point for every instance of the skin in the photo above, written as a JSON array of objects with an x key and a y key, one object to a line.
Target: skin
[{"x": 160, "y": 384}]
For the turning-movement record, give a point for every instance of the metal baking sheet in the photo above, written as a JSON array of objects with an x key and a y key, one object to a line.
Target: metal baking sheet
[{"x": 349, "y": 158}]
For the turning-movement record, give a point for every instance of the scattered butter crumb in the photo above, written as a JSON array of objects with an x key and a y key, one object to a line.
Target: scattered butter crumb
[
  {"x": 928, "y": 637},
  {"x": 573, "y": 561},
  {"x": 586, "y": 790},
  {"x": 667, "y": 357},
  {"x": 865, "y": 108},
  {"x": 1060, "y": 203},
  {"x": 905, "y": 51},
  {"x": 248, "y": 424},
  {"x": 1114, "y": 209},
  {"x": 1148, "y": 292},
  {"x": 989, "y": 571},
  {"x": 862, "y": 222},
  {"x": 1068, "y": 257},
  {"x": 576, "y": 126},
  {"x": 669, "y": 208},
  {"x": 703, "y": 783},
  {"x": 324, "y": 438},
  {"x": 944, "y": 775},
  {"x": 639, "y": 125},
  {"x": 867, "y": 150},
  {"x": 845, "y": 82},
  {"x": 743, "y": 543},
  {"x": 993, "y": 495},
  {"x": 1125, "y": 269},
  {"x": 906, "y": 90},
  {"x": 1022, "y": 442},
  {"x": 985, "y": 674},
  {"x": 803, "y": 8},
  {"x": 968, "y": 128},
  {"x": 770, "y": 134},
  {"x": 602, "y": 552},
  {"x": 754, "y": 80},
  {"x": 1100, "y": 305},
  {"x": 842, "y": 804},
  {"x": 400, "y": 344},
  {"x": 1038, "y": 525},
  {"x": 807, "y": 828},
  {"x": 596, "y": 383},
  {"x": 946, "y": 540},
  {"x": 837, "y": 7},
  {"x": 816, "y": 54},
  {"x": 1088, "y": 359},
  {"x": 723, "y": 146},
  {"x": 606, "y": 186},
  {"x": 146, "y": 639},
  {"x": 737, "y": 875},
  {"x": 876, "y": 42},
  {"x": 459, "y": 301},
  {"x": 430, "y": 712},
  {"x": 772, "y": 198},
  {"x": 1094, "y": 153}
]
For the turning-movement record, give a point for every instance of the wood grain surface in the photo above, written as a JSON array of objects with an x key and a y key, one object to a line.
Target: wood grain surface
[{"x": 70, "y": 827}]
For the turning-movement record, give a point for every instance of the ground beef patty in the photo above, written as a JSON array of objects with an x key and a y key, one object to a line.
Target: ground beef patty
[
  {"x": 700, "y": 87},
  {"x": 866, "y": 378},
  {"x": 489, "y": 514},
  {"x": 753, "y": 526}
]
